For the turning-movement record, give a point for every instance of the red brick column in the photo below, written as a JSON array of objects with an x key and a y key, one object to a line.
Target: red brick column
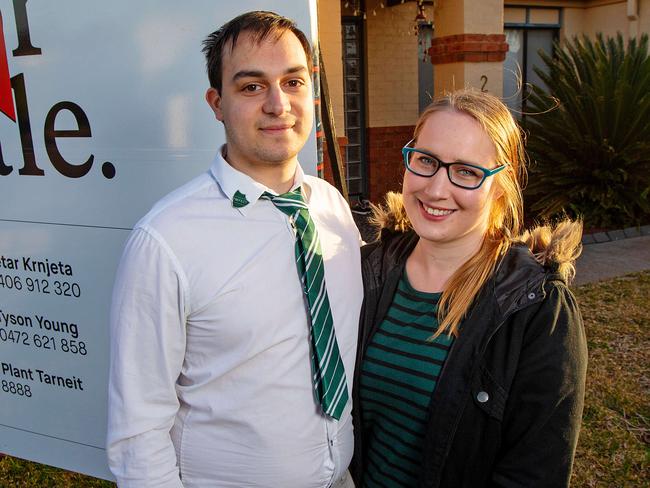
[
  {"x": 385, "y": 167},
  {"x": 471, "y": 48}
]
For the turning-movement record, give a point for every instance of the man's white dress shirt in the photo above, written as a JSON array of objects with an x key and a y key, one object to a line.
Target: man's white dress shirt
[{"x": 210, "y": 378}]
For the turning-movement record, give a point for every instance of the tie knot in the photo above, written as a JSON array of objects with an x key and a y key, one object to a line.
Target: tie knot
[
  {"x": 294, "y": 195},
  {"x": 288, "y": 202}
]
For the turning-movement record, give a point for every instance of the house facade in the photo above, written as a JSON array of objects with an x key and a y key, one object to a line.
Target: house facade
[{"x": 385, "y": 59}]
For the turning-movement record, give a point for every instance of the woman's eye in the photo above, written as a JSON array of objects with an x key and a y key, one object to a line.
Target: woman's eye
[
  {"x": 467, "y": 171},
  {"x": 426, "y": 161}
]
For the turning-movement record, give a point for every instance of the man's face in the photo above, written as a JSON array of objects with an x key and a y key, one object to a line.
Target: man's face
[{"x": 265, "y": 103}]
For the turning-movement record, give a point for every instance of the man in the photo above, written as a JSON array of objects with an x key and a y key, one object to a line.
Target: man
[{"x": 227, "y": 368}]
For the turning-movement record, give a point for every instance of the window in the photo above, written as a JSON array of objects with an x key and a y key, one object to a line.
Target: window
[
  {"x": 354, "y": 105},
  {"x": 527, "y": 31},
  {"x": 425, "y": 68}
]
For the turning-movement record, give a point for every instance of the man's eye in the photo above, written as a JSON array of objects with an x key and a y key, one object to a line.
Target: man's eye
[
  {"x": 252, "y": 87},
  {"x": 427, "y": 161},
  {"x": 295, "y": 83}
]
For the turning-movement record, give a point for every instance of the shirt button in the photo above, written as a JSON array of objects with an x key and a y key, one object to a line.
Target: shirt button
[
  {"x": 482, "y": 397},
  {"x": 331, "y": 442},
  {"x": 531, "y": 296}
]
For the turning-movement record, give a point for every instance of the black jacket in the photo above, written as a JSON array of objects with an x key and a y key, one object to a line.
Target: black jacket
[{"x": 523, "y": 344}]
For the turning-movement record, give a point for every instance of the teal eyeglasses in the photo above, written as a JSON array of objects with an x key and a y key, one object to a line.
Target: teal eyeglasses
[{"x": 463, "y": 175}]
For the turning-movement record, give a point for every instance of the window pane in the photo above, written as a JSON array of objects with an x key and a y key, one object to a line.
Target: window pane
[
  {"x": 512, "y": 66},
  {"x": 353, "y": 153},
  {"x": 350, "y": 48},
  {"x": 538, "y": 39},
  {"x": 354, "y": 136},
  {"x": 354, "y": 187},
  {"x": 352, "y": 67},
  {"x": 425, "y": 68},
  {"x": 352, "y": 102},
  {"x": 353, "y": 119},
  {"x": 352, "y": 85},
  {"x": 354, "y": 170}
]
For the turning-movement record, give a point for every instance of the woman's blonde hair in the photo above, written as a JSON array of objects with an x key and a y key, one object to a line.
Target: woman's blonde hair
[
  {"x": 506, "y": 212},
  {"x": 557, "y": 245}
]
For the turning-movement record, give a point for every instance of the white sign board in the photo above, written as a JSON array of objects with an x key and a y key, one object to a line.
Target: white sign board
[{"x": 103, "y": 113}]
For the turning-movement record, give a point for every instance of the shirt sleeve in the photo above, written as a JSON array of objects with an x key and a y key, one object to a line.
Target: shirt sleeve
[
  {"x": 147, "y": 329},
  {"x": 543, "y": 414}
]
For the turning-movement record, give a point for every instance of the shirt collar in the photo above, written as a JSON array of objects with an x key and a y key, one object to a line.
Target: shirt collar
[{"x": 242, "y": 190}]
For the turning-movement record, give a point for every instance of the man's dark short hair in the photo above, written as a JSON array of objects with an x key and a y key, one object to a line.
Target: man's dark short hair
[{"x": 261, "y": 25}]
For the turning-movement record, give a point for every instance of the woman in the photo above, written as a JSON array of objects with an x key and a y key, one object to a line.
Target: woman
[{"x": 472, "y": 354}]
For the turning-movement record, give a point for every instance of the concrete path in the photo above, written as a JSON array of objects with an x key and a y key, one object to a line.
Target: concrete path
[{"x": 611, "y": 259}]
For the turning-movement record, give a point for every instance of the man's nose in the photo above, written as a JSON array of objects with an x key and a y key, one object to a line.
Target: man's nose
[{"x": 277, "y": 101}]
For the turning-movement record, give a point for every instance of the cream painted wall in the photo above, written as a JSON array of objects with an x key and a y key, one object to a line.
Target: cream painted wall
[
  {"x": 448, "y": 77},
  {"x": 469, "y": 16},
  {"x": 563, "y": 3},
  {"x": 485, "y": 16},
  {"x": 474, "y": 73},
  {"x": 573, "y": 23},
  {"x": 329, "y": 33},
  {"x": 644, "y": 16},
  {"x": 608, "y": 19},
  {"x": 392, "y": 74},
  {"x": 453, "y": 76},
  {"x": 452, "y": 11}
]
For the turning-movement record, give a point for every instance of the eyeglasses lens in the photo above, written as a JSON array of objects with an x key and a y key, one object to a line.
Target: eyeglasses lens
[
  {"x": 465, "y": 176},
  {"x": 422, "y": 163},
  {"x": 459, "y": 174}
]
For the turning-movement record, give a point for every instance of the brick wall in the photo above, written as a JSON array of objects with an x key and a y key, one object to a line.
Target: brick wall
[
  {"x": 472, "y": 48},
  {"x": 385, "y": 167}
]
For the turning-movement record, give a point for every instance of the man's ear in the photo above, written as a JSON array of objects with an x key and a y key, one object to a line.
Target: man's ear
[{"x": 214, "y": 100}]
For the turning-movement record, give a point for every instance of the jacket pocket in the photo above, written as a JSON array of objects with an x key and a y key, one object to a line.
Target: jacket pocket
[{"x": 488, "y": 395}]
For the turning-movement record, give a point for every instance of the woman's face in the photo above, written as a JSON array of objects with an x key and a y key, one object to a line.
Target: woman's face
[{"x": 441, "y": 212}]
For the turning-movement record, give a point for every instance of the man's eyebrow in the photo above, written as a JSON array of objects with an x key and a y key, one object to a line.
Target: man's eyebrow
[
  {"x": 296, "y": 69},
  {"x": 247, "y": 74},
  {"x": 260, "y": 74}
]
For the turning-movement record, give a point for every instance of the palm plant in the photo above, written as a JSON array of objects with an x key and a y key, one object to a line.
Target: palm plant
[{"x": 589, "y": 132}]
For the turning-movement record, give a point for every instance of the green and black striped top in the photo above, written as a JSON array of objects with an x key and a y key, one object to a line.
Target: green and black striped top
[{"x": 398, "y": 376}]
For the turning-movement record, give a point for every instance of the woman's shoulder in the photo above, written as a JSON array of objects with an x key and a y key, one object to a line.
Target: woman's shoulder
[
  {"x": 538, "y": 268},
  {"x": 544, "y": 252}
]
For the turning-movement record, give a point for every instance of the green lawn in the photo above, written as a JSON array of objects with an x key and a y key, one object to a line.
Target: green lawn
[{"x": 614, "y": 446}]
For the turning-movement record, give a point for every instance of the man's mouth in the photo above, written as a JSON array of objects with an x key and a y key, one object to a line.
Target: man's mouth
[{"x": 277, "y": 128}]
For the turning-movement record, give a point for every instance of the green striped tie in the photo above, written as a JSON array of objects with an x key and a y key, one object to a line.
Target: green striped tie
[{"x": 330, "y": 386}]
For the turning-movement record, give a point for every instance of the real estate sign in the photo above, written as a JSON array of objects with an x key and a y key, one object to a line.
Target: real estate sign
[{"x": 102, "y": 113}]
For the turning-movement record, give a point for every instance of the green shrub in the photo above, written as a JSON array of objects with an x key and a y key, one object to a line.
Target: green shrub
[{"x": 589, "y": 133}]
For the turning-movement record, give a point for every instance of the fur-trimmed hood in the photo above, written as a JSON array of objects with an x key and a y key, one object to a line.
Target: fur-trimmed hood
[{"x": 554, "y": 246}]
